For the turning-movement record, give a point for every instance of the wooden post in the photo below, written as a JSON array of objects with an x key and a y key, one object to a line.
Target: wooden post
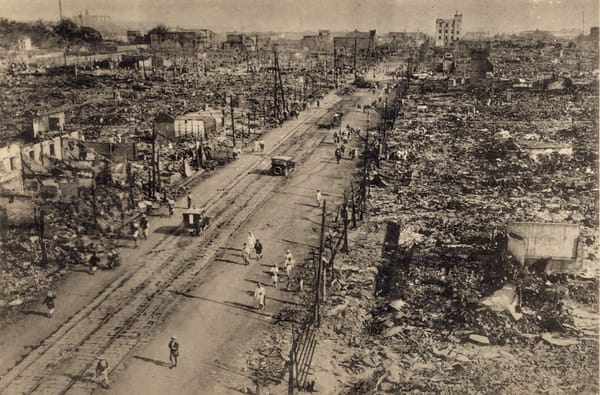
[
  {"x": 353, "y": 207},
  {"x": 345, "y": 218},
  {"x": 232, "y": 121},
  {"x": 354, "y": 60},
  {"x": 317, "y": 283},
  {"x": 94, "y": 204},
  {"x": 292, "y": 362},
  {"x": 322, "y": 250},
  {"x": 153, "y": 183},
  {"x": 365, "y": 180},
  {"x": 42, "y": 229}
]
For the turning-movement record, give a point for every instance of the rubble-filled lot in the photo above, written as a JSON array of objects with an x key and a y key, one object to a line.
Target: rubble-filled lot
[
  {"x": 451, "y": 310},
  {"x": 118, "y": 105}
]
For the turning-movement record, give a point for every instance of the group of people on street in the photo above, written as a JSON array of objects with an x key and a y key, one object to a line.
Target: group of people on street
[
  {"x": 139, "y": 230},
  {"x": 252, "y": 245},
  {"x": 289, "y": 265},
  {"x": 259, "y": 146},
  {"x": 341, "y": 139},
  {"x": 102, "y": 364}
]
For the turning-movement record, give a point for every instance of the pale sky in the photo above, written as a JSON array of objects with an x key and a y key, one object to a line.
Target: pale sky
[{"x": 302, "y": 15}]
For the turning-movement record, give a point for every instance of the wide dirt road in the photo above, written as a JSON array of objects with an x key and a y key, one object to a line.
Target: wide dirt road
[
  {"x": 215, "y": 321},
  {"x": 159, "y": 275}
]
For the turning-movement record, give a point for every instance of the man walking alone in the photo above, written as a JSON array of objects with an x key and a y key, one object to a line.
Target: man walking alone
[{"x": 173, "y": 352}]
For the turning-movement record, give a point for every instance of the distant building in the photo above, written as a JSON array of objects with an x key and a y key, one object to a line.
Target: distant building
[
  {"x": 480, "y": 65},
  {"x": 134, "y": 36},
  {"x": 195, "y": 125},
  {"x": 363, "y": 42},
  {"x": 239, "y": 41},
  {"x": 184, "y": 38},
  {"x": 405, "y": 38},
  {"x": 476, "y": 36},
  {"x": 594, "y": 34},
  {"x": 95, "y": 21},
  {"x": 24, "y": 44},
  {"x": 448, "y": 30},
  {"x": 316, "y": 42},
  {"x": 201, "y": 126}
]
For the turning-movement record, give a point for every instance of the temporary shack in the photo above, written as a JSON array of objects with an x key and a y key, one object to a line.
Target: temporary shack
[{"x": 531, "y": 241}]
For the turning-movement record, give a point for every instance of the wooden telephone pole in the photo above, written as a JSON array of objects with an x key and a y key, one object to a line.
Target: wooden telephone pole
[{"x": 277, "y": 86}]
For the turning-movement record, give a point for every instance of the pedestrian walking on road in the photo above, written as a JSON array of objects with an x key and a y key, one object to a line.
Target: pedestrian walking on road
[
  {"x": 94, "y": 260},
  {"x": 102, "y": 370},
  {"x": 319, "y": 198},
  {"x": 338, "y": 155},
  {"x": 251, "y": 243},
  {"x": 135, "y": 233},
  {"x": 173, "y": 352},
  {"x": 49, "y": 302},
  {"x": 288, "y": 268},
  {"x": 258, "y": 248},
  {"x": 260, "y": 295},
  {"x": 288, "y": 256},
  {"x": 256, "y": 146},
  {"x": 144, "y": 225},
  {"x": 189, "y": 200},
  {"x": 336, "y": 137},
  {"x": 262, "y": 145},
  {"x": 246, "y": 254},
  {"x": 275, "y": 275}
]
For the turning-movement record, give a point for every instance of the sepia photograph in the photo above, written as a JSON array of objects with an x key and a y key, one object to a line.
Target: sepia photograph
[{"x": 283, "y": 197}]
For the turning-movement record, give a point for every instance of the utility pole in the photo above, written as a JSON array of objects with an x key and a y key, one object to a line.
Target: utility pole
[
  {"x": 354, "y": 60},
  {"x": 366, "y": 166},
  {"x": 345, "y": 218},
  {"x": 275, "y": 108},
  {"x": 322, "y": 250},
  {"x": 335, "y": 81},
  {"x": 292, "y": 362},
  {"x": 153, "y": 184},
  {"x": 42, "y": 228},
  {"x": 94, "y": 203},
  {"x": 232, "y": 120},
  {"x": 353, "y": 206}
]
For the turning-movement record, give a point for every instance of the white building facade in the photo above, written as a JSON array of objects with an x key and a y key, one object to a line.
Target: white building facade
[{"x": 448, "y": 30}]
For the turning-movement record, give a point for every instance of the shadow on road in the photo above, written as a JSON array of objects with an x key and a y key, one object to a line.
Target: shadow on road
[
  {"x": 166, "y": 230},
  {"x": 230, "y": 249},
  {"x": 228, "y": 261},
  {"x": 297, "y": 243},
  {"x": 306, "y": 204},
  {"x": 240, "y": 306},
  {"x": 261, "y": 172},
  {"x": 154, "y": 361},
  {"x": 33, "y": 312},
  {"x": 87, "y": 378},
  {"x": 221, "y": 365},
  {"x": 245, "y": 307},
  {"x": 311, "y": 221}
]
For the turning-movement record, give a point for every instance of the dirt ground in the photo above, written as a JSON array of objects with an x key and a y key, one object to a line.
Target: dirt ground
[{"x": 216, "y": 324}]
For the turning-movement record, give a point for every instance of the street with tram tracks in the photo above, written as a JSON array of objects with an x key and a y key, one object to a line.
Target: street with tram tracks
[{"x": 125, "y": 312}]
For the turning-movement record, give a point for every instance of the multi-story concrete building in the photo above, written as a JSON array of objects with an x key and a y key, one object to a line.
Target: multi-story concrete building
[
  {"x": 184, "y": 38},
  {"x": 96, "y": 21},
  {"x": 448, "y": 30}
]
